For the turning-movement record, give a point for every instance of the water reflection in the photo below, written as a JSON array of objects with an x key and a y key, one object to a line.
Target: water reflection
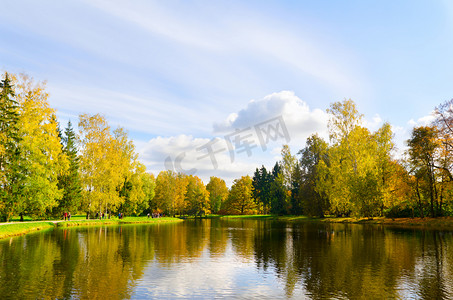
[{"x": 228, "y": 258}]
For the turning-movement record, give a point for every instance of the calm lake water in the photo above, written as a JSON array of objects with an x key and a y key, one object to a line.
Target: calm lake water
[{"x": 247, "y": 259}]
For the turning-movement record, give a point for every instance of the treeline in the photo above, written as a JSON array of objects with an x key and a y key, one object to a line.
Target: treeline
[
  {"x": 45, "y": 172},
  {"x": 356, "y": 174}
]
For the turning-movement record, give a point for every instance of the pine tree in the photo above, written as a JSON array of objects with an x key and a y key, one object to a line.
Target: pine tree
[
  {"x": 262, "y": 180},
  {"x": 278, "y": 191},
  {"x": 70, "y": 182},
  {"x": 10, "y": 174}
]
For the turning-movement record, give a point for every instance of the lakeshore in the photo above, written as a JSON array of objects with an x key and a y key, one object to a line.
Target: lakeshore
[
  {"x": 20, "y": 228},
  {"x": 440, "y": 223}
]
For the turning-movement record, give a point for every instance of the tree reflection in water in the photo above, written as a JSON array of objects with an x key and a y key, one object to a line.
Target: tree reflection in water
[{"x": 228, "y": 257}]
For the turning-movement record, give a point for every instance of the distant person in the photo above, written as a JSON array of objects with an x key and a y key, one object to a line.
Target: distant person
[
  {"x": 65, "y": 215},
  {"x": 148, "y": 215},
  {"x": 69, "y": 216}
]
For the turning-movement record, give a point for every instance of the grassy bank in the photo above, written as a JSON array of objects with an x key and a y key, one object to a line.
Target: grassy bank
[
  {"x": 14, "y": 229},
  {"x": 116, "y": 221},
  {"x": 9, "y": 230},
  {"x": 431, "y": 223}
]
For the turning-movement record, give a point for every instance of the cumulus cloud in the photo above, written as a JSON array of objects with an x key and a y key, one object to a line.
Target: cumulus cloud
[
  {"x": 374, "y": 123},
  {"x": 299, "y": 119},
  {"x": 423, "y": 121}
]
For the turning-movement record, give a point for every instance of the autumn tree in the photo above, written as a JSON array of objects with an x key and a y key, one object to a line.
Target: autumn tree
[
  {"x": 196, "y": 197},
  {"x": 42, "y": 158},
  {"x": 137, "y": 190},
  {"x": 423, "y": 145},
  {"x": 287, "y": 165},
  {"x": 218, "y": 193},
  {"x": 170, "y": 192},
  {"x": 314, "y": 160},
  {"x": 240, "y": 198},
  {"x": 108, "y": 161},
  {"x": 94, "y": 140},
  {"x": 149, "y": 188},
  {"x": 444, "y": 124},
  {"x": 385, "y": 165},
  {"x": 344, "y": 119}
]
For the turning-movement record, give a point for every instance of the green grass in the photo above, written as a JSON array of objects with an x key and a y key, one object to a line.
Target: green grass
[
  {"x": 441, "y": 223},
  {"x": 116, "y": 221},
  {"x": 254, "y": 217},
  {"x": 270, "y": 217},
  {"x": 9, "y": 230},
  {"x": 17, "y": 218}
]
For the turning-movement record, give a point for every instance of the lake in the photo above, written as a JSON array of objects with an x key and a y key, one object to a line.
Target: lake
[{"x": 229, "y": 258}]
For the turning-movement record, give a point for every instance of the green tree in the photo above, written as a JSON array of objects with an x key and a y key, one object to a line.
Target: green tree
[
  {"x": 297, "y": 200},
  {"x": 70, "y": 181},
  {"x": 356, "y": 181},
  {"x": 423, "y": 145},
  {"x": 218, "y": 193},
  {"x": 314, "y": 159},
  {"x": 278, "y": 191},
  {"x": 10, "y": 168},
  {"x": 261, "y": 183}
]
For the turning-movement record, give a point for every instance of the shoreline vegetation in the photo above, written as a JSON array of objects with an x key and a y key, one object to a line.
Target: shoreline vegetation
[
  {"x": 440, "y": 223},
  {"x": 20, "y": 228},
  {"x": 8, "y": 230}
]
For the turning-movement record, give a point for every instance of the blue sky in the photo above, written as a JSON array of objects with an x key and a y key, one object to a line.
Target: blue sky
[{"x": 177, "y": 74}]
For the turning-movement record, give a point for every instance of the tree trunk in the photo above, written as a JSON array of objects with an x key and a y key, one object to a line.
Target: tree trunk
[{"x": 419, "y": 201}]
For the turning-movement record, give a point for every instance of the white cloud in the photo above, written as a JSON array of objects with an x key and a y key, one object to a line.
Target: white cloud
[
  {"x": 189, "y": 155},
  {"x": 423, "y": 121},
  {"x": 299, "y": 119},
  {"x": 374, "y": 124}
]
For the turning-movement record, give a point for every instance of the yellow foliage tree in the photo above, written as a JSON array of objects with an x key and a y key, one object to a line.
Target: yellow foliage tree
[
  {"x": 42, "y": 157},
  {"x": 197, "y": 197},
  {"x": 107, "y": 162}
]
